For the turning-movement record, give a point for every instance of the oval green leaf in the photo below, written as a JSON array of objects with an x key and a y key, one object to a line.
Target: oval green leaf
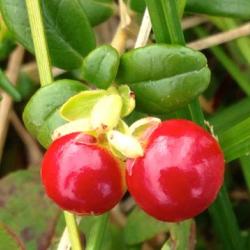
[
  {"x": 100, "y": 66},
  {"x": 69, "y": 33},
  {"x": 41, "y": 114},
  {"x": 164, "y": 77},
  {"x": 98, "y": 11},
  {"x": 80, "y": 105}
]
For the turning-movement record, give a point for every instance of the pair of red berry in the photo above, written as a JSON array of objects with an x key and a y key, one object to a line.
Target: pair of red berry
[{"x": 178, "y": 176}]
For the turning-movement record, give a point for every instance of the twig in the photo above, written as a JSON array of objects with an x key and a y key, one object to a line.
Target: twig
[
  {"x": 144, "y": 31},
  {"x": 193, "y": 21},
  {"x": 119, "y": 40},
  {"x": 117, "y": 216},
  {"x": 12, "y": 73},
  {"x": 146, "y": 246},
  {"x": 32, "y": 71},
  {"x": 105, "y": 31},
  {"x": 128, "y": 204},
  {"x": 207, "y": 105},
  {"x": 220, "y": 38},
  {"x": 240, "y": 195},
  {"x": 34, "y": 152},
  {"x": 146, "y": 27}
]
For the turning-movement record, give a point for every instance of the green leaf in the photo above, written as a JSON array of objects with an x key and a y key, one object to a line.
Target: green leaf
[
  {"x": 159, "y": 25},
  {"x": 53, "y": 121},
  {"x": 125, "y": 144},
  {"x": 164, "y": 77},
  {"x": 26, "y": 86},
  {"x": 7, "y": 86},
  {"x": 122, "y": 127},
  {"x": 141, "y": 227},
  {"x": 229, "y": 64},
  {"x": 80, "y": 125},
  {"x": 80, "y": 105},
  {"x": 7, "y": 43},
  {"x": 96, "y": 235},
  {"x": 68, "y": 30},
  {"x": 128, "y": 100},
  {"x": 182, "y": 236},
  {"x": 228, "y": 8},
  {"x": 26, "y": 209},
  {"x": 231, "y": 115},
  {"x": 244, "y": 162},
  {"x": 235, "y": 141},
  {"x": 95, "y": 226},
  {"x": 102, "y": 118},
  {"x": 100, "y": 66},
  {"x": 41, "y": 115},
  {"x": 9, "y": 240},
  {"x": 137, "y": 5},
  {"x": 98, "y": 11},
  {"x": 6, "y": 46},
  {"x": 225, "y": 223},
  {"x": 142, "y": 128},
  {"x": 241, "y": 46}
]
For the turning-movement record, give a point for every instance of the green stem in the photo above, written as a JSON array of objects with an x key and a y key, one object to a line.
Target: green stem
[
  {"x": 97, "y": 233},
  {"x": 171, "y": 16},
  {"x": 173, "y": 22},
  {"x": 39, "y": 40},
  {"x": 45, "y": 73},
  {"x": 196, "y": 112},
  {"x": 228, "y": 219},
  {"x": 73, "y": 231},
  {"x": 158, "y": 22}
]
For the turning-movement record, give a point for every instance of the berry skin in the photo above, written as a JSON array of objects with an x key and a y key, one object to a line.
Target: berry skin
[
  {"x": 180, "y": 173},
  {"x": 81, "y": 176}
]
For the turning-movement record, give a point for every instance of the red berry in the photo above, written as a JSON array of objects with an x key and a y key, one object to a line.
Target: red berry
[
  {"x": 81, "y": 176},
  {"x": 180, "y": 173}
]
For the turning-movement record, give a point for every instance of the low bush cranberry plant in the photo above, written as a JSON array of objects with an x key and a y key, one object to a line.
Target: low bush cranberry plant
[{"x": 122, "y": 126}]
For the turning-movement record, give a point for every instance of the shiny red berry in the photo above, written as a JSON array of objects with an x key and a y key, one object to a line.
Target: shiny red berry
[
  {"x": 180, "y": 173},
  {"x": 81, "y": 176}
]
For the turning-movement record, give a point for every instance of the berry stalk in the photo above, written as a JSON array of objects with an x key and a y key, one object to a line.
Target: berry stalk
[
  {"x": 72, "y": 230},
  {"x": 176, "y": 36},
  {"x": 39, "y": 40},
  {"x": 45, "y": 75}
]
